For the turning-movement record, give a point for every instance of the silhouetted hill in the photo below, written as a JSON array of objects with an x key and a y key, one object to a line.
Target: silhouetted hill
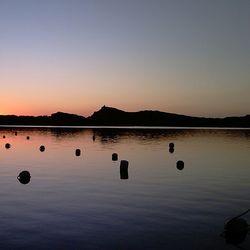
[
  {"x": 64, "y": 119},
  {"x": 56, "y": 119},
  {"x": 113, "y": 116},
  {"x": 108, "y": 116}
]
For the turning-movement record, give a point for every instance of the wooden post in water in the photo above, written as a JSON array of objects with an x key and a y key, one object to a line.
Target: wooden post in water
[{"x": 124, "y": 170}]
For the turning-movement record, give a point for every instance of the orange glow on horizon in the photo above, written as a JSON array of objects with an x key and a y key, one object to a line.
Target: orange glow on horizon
[{"x": 27, "y": 111}]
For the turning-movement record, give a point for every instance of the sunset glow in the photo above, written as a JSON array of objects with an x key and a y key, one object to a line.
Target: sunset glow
[{"x": 188, "y": 57}]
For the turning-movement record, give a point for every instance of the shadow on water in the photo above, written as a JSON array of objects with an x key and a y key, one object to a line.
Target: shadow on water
[
  {"x": 66, "y": 132},
  {"x": 115, "y": 135},
  {"x": 145, "y": 135}
]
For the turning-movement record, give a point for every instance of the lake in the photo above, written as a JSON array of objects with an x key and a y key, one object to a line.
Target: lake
[{"x": 88, "y": 202}]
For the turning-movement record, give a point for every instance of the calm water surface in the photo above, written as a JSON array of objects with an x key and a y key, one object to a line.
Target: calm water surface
[{"x": 82, "y": 203}]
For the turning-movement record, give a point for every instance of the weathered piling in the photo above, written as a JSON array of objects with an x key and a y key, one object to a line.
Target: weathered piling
[
  {"x": 7, "y": 145},
  {"x": 124, "y": 170},
  {"x": 42, "y": 148}
]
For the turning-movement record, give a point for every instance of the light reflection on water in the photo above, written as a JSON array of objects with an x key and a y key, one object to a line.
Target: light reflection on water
[{"x": 82, "y": 202}]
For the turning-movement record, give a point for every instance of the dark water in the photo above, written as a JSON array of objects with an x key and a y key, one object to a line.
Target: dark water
[{"x": 82, "y": 203}]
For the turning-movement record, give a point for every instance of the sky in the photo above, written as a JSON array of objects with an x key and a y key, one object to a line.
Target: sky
[{"x": 181, "y": 56}]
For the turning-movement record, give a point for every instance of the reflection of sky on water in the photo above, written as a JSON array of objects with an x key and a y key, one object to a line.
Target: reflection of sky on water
[{"x": 84, "y": 201}]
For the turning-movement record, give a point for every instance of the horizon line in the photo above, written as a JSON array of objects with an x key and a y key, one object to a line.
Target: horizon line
[{"x": 141, "y": 110}]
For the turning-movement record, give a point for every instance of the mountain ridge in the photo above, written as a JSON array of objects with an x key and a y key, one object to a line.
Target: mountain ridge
[{"x": 110, "y": 116}]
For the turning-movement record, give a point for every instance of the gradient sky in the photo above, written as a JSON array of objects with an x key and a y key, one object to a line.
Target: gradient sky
[{"x": 183, "y": 56}]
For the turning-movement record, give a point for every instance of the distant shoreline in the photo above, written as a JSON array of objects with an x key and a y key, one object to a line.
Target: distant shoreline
[
  {"x": 125, "y": 127},
  {"x": 115, "y": 118}
]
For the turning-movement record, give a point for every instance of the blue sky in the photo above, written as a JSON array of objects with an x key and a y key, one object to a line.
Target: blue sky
[{"x": 190, "y": 57}]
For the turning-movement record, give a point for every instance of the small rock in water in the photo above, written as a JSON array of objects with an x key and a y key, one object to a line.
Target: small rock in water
[
  {"x": 236, "y": 231},
  {"x": 114, "y": 157},
  {"x": 78, "y": 152},
  {"x": 180, "y": 165},
  {"x": 24, "y": 177},
  {"x": 42, "y": 148}
]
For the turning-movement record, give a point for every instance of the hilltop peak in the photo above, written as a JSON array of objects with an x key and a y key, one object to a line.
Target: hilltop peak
[
  {"x": 106, "y": 111},
  {"x": 106, "y": 108},
  {"x": 63, "y": 114}
]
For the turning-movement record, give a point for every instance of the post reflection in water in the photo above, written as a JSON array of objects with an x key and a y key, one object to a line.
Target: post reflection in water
[
  {"x": 171, "y": 147},
  {"x": 171, "y": 150},
  {"x": 85, "y": 201}
]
